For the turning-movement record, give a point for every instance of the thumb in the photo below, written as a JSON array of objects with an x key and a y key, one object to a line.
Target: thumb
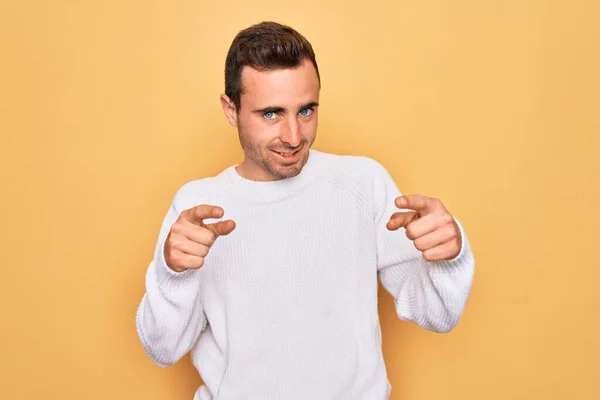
[
  {"x": 221, "y": 228},
  {"x": 401, "y": 219}
]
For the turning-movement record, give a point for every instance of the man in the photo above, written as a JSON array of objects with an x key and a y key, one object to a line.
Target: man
[{"x": 279, "y": 299}]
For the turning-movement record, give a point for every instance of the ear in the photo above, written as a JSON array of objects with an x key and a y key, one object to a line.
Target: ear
[{"x": 229, "y": 110}]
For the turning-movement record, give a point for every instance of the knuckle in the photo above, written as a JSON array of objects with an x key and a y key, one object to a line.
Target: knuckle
[
  {"x": 175, "y": 242},
  {"x": 427, "y": 255},
  {"x": 203, "y": 251},
  {"x": 450, "y": 236},
  {"x": 174, "y": 258},
  {"x": 447, "y": 218},
  {"x": 420, "y": 245},
  {"x": 211, "y": 237},
  {"x": 456, "y": 247},
  {"x": 177, "y": 227}
]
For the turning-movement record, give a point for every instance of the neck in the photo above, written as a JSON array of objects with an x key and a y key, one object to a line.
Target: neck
[
  {"x": 248, "y": 169},
  {"x": 272, "y": 189}
]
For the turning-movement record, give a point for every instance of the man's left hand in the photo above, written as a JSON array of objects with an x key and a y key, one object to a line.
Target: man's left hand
[{"x": 429, "y": 225}]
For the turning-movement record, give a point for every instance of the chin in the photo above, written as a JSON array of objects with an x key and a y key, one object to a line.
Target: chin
[
  {"x": 286, "y": 170},
  {"x": 289, "y": 172},
  {"x": 283, "y": 172}
]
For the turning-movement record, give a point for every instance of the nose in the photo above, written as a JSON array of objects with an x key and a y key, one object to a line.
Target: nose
[{"x": 290, "y": 132}]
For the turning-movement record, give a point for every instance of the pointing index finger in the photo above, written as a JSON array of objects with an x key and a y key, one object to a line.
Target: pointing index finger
[{"x": 422, "y": 204}]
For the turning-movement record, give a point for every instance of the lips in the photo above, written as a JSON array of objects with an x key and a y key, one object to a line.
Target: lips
[{"x": 287, "y": 155}]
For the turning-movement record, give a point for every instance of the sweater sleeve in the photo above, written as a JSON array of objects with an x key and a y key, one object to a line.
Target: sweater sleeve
[
  {"x": 169, "y": 318},
  {"x": 431, "y": 294}
]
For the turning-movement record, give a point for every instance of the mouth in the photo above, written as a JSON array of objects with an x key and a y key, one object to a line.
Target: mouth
[{"x": 288, "y": 155}]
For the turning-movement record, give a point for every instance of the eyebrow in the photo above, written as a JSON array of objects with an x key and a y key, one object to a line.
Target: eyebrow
[{"x": 265, "y": 110}]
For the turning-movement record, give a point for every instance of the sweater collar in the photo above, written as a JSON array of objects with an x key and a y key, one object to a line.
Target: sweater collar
[{"x": 268, "y": 191}]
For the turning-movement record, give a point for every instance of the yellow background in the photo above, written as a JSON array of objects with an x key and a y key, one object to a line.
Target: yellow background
[{"x": 107, "y": 107}]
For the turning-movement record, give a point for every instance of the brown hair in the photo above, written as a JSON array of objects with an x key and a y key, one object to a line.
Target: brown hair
[{"x": 264, "y": 46}]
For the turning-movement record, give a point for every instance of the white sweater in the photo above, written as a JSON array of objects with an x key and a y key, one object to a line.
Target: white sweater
[{"x": 285, "y": 307}]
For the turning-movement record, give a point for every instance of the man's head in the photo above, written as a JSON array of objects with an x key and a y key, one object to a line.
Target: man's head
[{"x": 271, "y": 95}]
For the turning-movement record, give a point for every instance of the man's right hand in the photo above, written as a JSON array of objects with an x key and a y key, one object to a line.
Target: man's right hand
[{"x": 190, "y": 239}]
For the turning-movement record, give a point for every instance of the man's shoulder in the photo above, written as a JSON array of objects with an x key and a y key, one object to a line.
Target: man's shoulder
[
  {"x": 201, "y": 190},
  {"x": 350, "y": 167},
  {"x": 358, "y": 175},
  {"x": 364, "y": 178}
]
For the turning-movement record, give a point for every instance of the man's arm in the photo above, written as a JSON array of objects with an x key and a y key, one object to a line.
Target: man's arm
[
  {"x": 432, "y": 294},
  {"x": 170, "y": 317}
]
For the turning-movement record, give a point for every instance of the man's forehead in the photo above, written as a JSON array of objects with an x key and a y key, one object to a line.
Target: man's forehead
[
  {"x": 304, "y": 74},
  {"x": 283, "y": 85}
]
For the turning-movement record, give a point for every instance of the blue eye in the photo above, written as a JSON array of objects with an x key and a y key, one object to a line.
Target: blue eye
[
  {"x": 269, "y": 115},
  {"x": 306, "y": 112}
]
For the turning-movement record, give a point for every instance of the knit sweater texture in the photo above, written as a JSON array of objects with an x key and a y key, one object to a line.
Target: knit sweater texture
[{"x": 285, "y": 306}]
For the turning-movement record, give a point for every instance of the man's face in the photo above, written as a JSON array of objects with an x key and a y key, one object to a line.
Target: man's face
[{"x": 277, "y": 121}]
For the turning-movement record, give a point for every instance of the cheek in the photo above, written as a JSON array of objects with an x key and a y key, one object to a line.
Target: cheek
[
  {"x": 309, "y": 128},
  {"x": 258, "y": 131}
]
